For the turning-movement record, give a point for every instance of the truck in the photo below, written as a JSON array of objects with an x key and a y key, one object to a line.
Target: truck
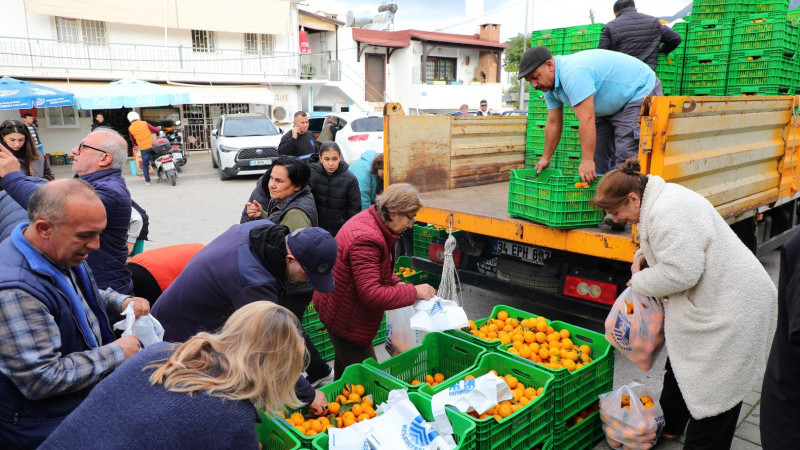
[{"x": 741, "y": 153}]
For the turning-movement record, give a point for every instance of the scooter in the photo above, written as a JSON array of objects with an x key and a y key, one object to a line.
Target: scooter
[
  {"x": 174, "y": 135},
  {"x": 163, "y": 160}
]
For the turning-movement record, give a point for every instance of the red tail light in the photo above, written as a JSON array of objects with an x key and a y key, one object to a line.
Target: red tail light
[
  {"x": 436, "y": 254},
  {"x": 167, "y": 159},
  {"x": 592, "y": 290},
  {"x": 358, "y": 137}
]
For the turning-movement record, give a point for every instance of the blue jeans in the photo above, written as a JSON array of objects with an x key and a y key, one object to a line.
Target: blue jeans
[{"x": 146, "y": 155}]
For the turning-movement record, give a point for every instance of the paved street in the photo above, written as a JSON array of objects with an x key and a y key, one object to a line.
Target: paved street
[{"x": 201, "y": 206}]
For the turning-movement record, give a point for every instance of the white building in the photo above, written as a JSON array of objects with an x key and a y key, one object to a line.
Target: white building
[
  {"x": 427, "y": 72},
  {"x": 239, "y": 56}
]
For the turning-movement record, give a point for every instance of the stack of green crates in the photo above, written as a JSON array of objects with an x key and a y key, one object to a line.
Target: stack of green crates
[
  {"x": 763, "y": 55},
  {"x": 567, "y": 156},
  {"x": 582, "y": 37},
  {"x": 730, "y": 9},
  {"x": 424, "y": 236},
  {"x": 670, "y": 67},
  {"x": 708, "y": 46},
  {"x": 552, "y": 39},
  {"x": 552, "y": 199}
]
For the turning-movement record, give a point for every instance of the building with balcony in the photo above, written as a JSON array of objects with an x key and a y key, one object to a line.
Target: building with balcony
[
  {"x": 427, "y": 72},
  {"x": 236, "y": 56}
]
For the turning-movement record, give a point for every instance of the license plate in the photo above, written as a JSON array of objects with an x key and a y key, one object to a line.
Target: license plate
[
  {"x": 169, "y": 165},
  {"x": 261, "y": 162},
  {"x": 177, "y": 156},
  {"x": 527, "y": 253}
]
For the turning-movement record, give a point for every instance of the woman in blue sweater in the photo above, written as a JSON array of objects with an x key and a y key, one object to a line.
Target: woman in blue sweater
[{"x": 198, "y": 394}]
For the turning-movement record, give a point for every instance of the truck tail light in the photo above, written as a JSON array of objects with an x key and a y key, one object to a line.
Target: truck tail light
[
  {"x": 358, "y": 137},
  {"x": 588, "y": 289},
  {"x": 436, "y": 254}
]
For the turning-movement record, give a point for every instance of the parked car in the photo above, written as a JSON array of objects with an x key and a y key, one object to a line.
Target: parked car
[
  {"x": 358, "y": 133},
  {"x": 243, "y": 144},
  {"x": 515, "y": 112},
  {"x": 315, "y": 125}
]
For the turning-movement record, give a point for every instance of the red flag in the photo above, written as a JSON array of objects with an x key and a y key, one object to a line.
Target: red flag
[{"x": 304, "y": 47}]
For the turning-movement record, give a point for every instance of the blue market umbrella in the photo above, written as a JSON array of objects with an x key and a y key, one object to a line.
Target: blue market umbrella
[
  {"x": 18, "y": 94},
  {"x": 130, "y": 93}
]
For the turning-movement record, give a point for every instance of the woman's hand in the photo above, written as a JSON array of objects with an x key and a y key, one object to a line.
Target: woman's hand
[
  {"x": 254, "y": 210},
  {"x": 639, "y": 263},
  {"x": 320, "y": 404},
  {"x": 425, "y": 291}
]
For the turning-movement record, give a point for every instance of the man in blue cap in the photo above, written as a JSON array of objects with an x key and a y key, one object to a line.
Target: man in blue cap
[{"x": 248, "y": 262}]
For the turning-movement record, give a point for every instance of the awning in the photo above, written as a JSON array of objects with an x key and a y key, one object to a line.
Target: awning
[
  {"x": 259, "y": 95},
  {"x": 245, "y": 16}
]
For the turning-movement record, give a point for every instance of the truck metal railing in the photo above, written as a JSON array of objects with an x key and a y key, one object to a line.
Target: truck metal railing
[{"x": 126, "y": 58}]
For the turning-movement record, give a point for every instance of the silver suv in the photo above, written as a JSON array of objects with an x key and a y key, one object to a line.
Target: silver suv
[{"x": 243, "y": 144}]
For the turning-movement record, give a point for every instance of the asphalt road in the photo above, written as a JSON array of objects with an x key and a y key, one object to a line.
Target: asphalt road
[{"x": 201, "y": 206}]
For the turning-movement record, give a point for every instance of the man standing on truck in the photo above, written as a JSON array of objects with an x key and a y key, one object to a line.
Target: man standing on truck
[
  {"x": 637, "y": 34},
  {"x": 605, "y": 89},
  {"x": 298, "y": 141}
]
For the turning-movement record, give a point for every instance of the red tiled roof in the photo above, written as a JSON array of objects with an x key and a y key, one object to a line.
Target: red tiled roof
[{"x": 403, "y": 38}]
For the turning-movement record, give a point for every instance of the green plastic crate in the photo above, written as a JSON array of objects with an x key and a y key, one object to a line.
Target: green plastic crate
[
  {"x": 316, "y": 331},
  {"x": 420, "y": 277},
  {"x": 705, "y": 74},
  {"x": 709, "y": 36},
  {"x": 423, "y": 237},
  {"x": 463, "y": 428},
  {"x": 552, "y": 39},
  {"x": 794, "y": 14},
  {"x": 576, "y": 390},
  {"x": 583, "y": 436},
  {"x": 720, "y": 9},
  {"x": 272, "y": 434},
  {"x": 570, "y": 138},
  {"x": 437, "y": 353},
  {"x": 670, "y": 72},
  {"x": 531, "y": 423},
  {"x": 582, "y": 37},
  {"x": 380, "y": 336},
  {"x": 766, "y": 32},
  {"x": 761, "y": 72},
  {"x": 375, "y": 383},
  {"x": 310, "y": 315},
  {"x": 552, "y": 199}
]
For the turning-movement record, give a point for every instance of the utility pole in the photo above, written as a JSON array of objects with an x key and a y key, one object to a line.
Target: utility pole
[
  {"x": 591, "y": 15},
  {"x": 525, "y": 39}
]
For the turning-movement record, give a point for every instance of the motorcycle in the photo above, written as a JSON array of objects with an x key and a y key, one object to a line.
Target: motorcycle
[
  {"x": 174, "y": 135},
  {"x": 163, "y": 160}
]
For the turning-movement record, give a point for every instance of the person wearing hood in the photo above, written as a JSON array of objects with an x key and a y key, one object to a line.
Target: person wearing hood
[
  {"x": 286, "y": 195},
  {"x": 245, "y": 264},
  {"x": 16, "y": 138},
  {"x": 335, "y": 189},
  {"x": 141, "y": 134},
  {"x": 368, "y": 169}
]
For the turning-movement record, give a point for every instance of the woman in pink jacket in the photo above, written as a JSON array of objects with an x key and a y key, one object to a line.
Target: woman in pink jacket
[{"x": 366, "y": 286}]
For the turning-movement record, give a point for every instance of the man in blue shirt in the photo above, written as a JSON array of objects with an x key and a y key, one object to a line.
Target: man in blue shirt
[{"x": 605, "y": 89}]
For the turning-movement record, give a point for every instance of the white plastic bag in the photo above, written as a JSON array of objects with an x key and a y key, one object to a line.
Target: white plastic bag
[
  {"x": 479, "y": 395},
  {"x": 146, "y": 328},
  {"x": 399, "y": 335},
  {"x": 438, "y": 314},
  {"x": 635, "y": 327},
  {"x": 632, "y": 419}
]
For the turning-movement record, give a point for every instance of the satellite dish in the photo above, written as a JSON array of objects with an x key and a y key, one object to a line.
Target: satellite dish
[{"x": 363, "y": 18}]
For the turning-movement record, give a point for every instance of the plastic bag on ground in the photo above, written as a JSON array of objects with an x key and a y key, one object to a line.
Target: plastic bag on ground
[
  {"x": 635, "y": 327},
  {"x": 632, "y": 418},
  {"x": 147, "y": 328}
]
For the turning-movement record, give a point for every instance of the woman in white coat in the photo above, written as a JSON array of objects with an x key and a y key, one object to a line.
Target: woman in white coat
[{"x": 720, "y": 304}]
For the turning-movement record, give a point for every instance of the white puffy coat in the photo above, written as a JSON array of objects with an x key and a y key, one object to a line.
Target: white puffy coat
[{"x": 720, "y": 305}]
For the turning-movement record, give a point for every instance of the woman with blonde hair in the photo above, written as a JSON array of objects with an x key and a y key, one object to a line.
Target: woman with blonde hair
[
  {"x": 366, "y": 285},
  {"x": 202, "y": 393},
  {"x": 719, "y": 303}
]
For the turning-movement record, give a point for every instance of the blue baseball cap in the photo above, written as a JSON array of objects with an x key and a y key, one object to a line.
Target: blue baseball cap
[{"x": 315, "y": 249}]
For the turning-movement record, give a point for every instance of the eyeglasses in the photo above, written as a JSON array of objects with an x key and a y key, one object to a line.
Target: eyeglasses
[
  {"x": 483, "y": 104},
  {"x": 411, "y": 219},
  {"x": 81, "y": 146}
]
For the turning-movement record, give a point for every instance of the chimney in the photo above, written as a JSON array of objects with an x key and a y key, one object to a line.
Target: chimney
[{"x": 490, "y": 32}]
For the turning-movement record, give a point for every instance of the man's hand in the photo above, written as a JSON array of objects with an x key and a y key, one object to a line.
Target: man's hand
[
  {"x": 425, "y": 291},
  {"x": 130, "y": 345},
  {"x": 320, "y": 404},
  {"x": 542, "y": 164},
  {"x": 254, "y": 210},
  {"x": 586, "y": 170},
  {"x": 141, "y": 306},
  {"x": 295, "y": 131},
  {"x": 8, "y": 162},
  {"x": 639, "y": 263}
]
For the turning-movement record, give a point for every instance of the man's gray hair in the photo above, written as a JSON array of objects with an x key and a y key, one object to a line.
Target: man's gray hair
[
  {"x": 49, "y": 201},
  {"x": 114, "y": 144}
]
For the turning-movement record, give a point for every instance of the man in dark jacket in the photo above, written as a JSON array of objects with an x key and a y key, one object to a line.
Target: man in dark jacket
[
  {"x": 637, "y": 34},
  {"x": 298, "y": 141},
  {"x": 98, "y": 160},
  {"x": 248, "y": 262},
  {"x": 56, "y": 340}
]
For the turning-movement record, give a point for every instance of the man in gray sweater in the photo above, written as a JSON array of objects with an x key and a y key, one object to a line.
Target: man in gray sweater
[{"x": 637, "y": 34}]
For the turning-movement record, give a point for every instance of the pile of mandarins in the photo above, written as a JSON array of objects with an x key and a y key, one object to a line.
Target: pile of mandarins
[
  {"x": 521, "y": 396},
  {"x": 349, "y": 407}
]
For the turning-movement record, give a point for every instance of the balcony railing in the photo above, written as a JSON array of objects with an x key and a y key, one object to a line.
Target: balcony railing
[{"x": 132, "y": 59}]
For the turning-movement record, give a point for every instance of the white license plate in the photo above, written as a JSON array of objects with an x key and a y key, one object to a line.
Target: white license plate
[
  {"x": 261, "y": 162},
  {"x": 169, "y": 165},
  {"x": 177, "y": 156},
  {"x": 527, "y": 253}
]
